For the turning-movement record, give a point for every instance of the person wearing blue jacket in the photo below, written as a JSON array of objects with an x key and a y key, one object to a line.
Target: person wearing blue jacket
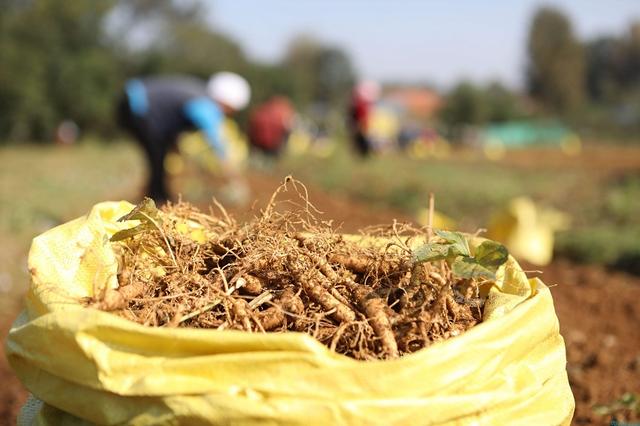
[{"x": 157, "y": 109}]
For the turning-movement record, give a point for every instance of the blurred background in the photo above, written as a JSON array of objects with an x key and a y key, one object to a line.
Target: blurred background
[{"x": 522, "y": 118}]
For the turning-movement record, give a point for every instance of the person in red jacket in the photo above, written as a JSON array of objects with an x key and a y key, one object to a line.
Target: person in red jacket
[
  {"x": 363, "y": 97},
  {"x": 270, "y": 125}
]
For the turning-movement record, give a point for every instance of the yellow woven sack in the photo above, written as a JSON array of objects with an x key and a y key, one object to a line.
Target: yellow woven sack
[{"x": 89, "y": 366}]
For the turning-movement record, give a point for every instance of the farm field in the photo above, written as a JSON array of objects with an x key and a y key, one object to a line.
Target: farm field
[{"x": 41, "y": 187}]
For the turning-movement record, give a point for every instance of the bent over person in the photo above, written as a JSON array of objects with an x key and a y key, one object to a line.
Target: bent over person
[{"x": 157, "y": 109}]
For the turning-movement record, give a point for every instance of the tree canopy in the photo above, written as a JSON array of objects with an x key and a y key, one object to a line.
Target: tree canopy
[{"x": 556, "y": 62}]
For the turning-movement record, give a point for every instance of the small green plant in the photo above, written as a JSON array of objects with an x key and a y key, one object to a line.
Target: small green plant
[
  {"x": 147, "y": 213},
  {"x": 454, "y": 248},
  {"x": 628, "y": 401}
]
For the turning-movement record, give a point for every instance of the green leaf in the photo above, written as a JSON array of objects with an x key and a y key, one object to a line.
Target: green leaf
[
  {"x": 628, "y": 399},
  {"x": 457, "y": 240},
  {"x": 128, "y": 233},
  {"x": 144, "y": 211},
  {"x": 468, "y": 267},
  {"x": 147, "y": 213},
  {"x": 431, "y": 251},
  {"x": 601, "y": 409},
  {"x": 491, "y": 255}
]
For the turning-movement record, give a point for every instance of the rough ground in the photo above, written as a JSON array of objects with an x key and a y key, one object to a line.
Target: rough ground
[{"x": 599, "y": 313}]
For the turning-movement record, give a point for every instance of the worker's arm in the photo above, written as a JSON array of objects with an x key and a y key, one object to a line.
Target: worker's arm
[
  {"x": 137, "y": 97},
  {"x": 207, "y": 117}
]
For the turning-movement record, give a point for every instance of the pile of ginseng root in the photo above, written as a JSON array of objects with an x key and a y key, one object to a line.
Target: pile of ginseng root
[{"x": 284, "y": 271}]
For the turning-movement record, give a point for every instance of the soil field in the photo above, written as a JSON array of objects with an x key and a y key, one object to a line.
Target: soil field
[{"x": 604, "y": 160}]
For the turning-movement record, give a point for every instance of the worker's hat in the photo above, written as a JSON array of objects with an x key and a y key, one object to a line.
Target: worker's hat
[{"x": 229, "y": 89}]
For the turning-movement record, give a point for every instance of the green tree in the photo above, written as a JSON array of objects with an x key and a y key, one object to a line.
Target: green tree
[
  {"x": 192, "y": 48},
  {"x": 605, "y": 64},
  {"x": 55, "y": 65},
  {"x": 318, "y": 72},
  {"x": 631, "y": 69},
  {"x": 613, "y": 66},
  {"x": 172, "y": 37},
  {"x": 465, "y": 104},
  {"x": 300, "y": 60},
  {"x": 556, "y": 69},
  {"x": 335, "y": 77},
  {"x": 502, "y": 104},
  {"x": 268, "y": 80}
]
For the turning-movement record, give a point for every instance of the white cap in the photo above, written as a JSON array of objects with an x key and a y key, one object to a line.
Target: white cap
[
  {"x": 368, "y": 90},
  {"x": 230, "y": 89}
]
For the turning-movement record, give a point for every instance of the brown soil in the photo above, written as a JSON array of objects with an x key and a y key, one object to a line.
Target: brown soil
[
  {"x": 601, "y": 159},
  {"x": 599, "y": 313},
  {"x": 12, "y": 393}
]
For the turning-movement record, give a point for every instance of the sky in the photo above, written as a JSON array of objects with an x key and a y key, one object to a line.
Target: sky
[{"x": 433, "y": 41}]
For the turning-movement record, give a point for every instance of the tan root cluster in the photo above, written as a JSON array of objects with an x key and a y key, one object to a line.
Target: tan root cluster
[{"x": 286, "y": 271}]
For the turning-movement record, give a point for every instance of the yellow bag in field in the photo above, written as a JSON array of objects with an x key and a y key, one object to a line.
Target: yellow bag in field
[
  {"x": 194, "y": 147},
  {"x": 87, "y": 366},
  {"x": 527, "y": 229}
]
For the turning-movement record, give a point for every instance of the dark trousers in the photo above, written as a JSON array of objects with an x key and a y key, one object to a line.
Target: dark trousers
[
  {"x": 154, "y": 144},
  {"x": 361, "y": 143}
]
